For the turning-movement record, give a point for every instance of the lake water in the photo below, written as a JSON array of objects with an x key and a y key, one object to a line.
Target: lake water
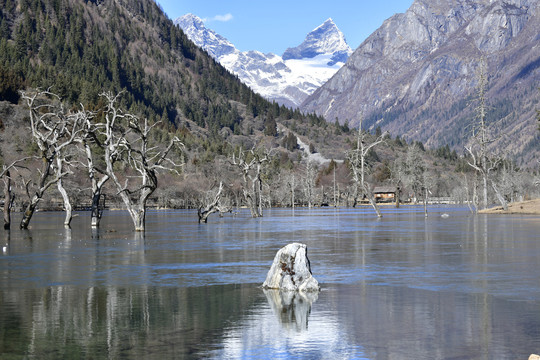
[{"x": 400, "y": 287}]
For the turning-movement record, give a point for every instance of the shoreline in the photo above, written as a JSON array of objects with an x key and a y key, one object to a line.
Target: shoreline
[{"x": 529, "y": 207}]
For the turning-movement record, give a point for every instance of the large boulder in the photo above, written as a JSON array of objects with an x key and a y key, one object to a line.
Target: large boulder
[{"x": 291, "y": 270}]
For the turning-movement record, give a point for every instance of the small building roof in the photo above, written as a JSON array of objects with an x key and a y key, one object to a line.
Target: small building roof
[{"x": 384, "y": 189}]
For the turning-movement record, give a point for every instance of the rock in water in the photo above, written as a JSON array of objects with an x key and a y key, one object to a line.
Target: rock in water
[{"x": 291, "y": 270}]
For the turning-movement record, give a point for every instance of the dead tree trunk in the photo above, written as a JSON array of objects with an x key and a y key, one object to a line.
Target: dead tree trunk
[
  {"x": 8, "y": 200},
  {"x": 398, "y": 195},
  {"x": 425, "y": 201},
  {"x": 358, "y": 165},
  {"x": 214, "y": 206},
  {"x": 500, "y": 197},
  {"x": 98, "y": 177},
  {"x": 9, "y": 197},
  {"x": 53, "y": 130},
  {"x": 97, "y": 208},
  {"x": 38, "y": 194},
  {"x": 480, "y": 140},
  {"x": 309, "y": 182},
  {"x": 65, "y": 197},
  {"x": 372, "y": 201},
  {"x": 133, "y": 144},
  {"x": 251, "y": 164}
]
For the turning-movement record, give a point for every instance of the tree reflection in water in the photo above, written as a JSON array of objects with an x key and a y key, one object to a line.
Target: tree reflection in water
[{"x": 459, "y": 287}]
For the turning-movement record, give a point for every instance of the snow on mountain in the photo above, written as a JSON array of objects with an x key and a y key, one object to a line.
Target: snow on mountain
[
  {"x": 215, "y": 44},
  {"x": 326, "y": 39},
  {"x": 287, "y": 79}
]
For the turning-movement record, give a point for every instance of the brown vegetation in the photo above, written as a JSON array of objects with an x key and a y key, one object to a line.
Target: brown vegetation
[{"x": 529, "y": 207}]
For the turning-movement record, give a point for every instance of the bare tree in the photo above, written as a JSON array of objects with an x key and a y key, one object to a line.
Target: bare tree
[
  {"x": 470, "y": 194},
  {"x": 428, "y": 182},
  {"x": 292, "y": 186},
  {"x": 480, "y": 140},
  {"x": 91, "y": 146},
  {"x": 53, "y": 130},
  {"x": 358, "y": 164},
  {"x": 127, "y": 137},
  {"x": 510, "y": 181},
  {"x": 213, "y": 206},
  {"x": 398, "y": 176},
  {"x": 309, "y": 182},
  {"x": 9, "y": 197},
  {"x": 63, "y": 165},
  {"x": 284, "y": 188},
  {"x": 414, "y": 171},
  {"x": 251, "y": 164}
]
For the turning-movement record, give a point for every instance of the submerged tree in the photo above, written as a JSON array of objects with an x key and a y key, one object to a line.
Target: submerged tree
[
  {"x": 309, "y": 182},
  {"x": 359, "y": 166},
  {"x": 127, "y": 137},
  {"x": 478, "y": 148},
  {"x": 251, "y": 164},
  {"x": 414, "y": 171},
  {"x": 9, "y": 198},
  {"x": 92, "y": 146},
  {"x": 215, "y": 205},
  {"x": 54, "y": 130}
]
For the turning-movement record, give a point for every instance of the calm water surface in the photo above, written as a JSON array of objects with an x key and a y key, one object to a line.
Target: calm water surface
[{"x": 400, "y": 287}]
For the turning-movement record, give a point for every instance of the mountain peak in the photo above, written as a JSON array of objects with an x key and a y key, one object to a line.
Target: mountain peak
[
  {"x": 215, "y": 44},
  {"x": 288, "y": 82},
  {"x": 328, "y": 21},
  {"x": 324, "y": 39},
  {"x": 192, "y": 19}
]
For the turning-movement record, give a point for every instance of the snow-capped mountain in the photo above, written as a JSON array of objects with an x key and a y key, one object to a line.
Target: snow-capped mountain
[
  {"x": 287, "y": 79},
  {"x": 214, "y": 44},
  {"x": 326, "y": 39}
]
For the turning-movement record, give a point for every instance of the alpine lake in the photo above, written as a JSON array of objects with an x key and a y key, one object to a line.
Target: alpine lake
[{"x": 458, "y": 286}]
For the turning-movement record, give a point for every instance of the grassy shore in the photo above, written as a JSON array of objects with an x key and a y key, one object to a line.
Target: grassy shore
[{"x": 531, "y": 207}]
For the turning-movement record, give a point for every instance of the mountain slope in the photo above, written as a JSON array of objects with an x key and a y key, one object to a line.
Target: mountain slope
[
  {"x": 289, "y": 79},
  {"x": 81, "y": 48},
  {"x": 416, "y": 74}
]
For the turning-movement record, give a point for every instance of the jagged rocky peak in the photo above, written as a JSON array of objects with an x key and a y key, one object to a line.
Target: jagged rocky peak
[
  {"x": 325, "y": 39},
  {"x": 215, "y": 44},
  {"x": 190, "y": 20}
]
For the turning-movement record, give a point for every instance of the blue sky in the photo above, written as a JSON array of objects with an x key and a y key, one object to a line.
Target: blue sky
[{"x": 273, "y": 26}]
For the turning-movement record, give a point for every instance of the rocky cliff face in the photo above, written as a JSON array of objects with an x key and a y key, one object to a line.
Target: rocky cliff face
[
  {"x": 288, "y": 80},
  {"x": 416, "y": 75}
]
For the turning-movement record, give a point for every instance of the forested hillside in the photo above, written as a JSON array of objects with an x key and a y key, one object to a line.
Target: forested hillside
[{"x": 80, "y": 48}]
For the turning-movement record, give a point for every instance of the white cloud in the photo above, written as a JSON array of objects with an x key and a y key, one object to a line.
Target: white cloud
[{"x": 222, "y": 18}]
